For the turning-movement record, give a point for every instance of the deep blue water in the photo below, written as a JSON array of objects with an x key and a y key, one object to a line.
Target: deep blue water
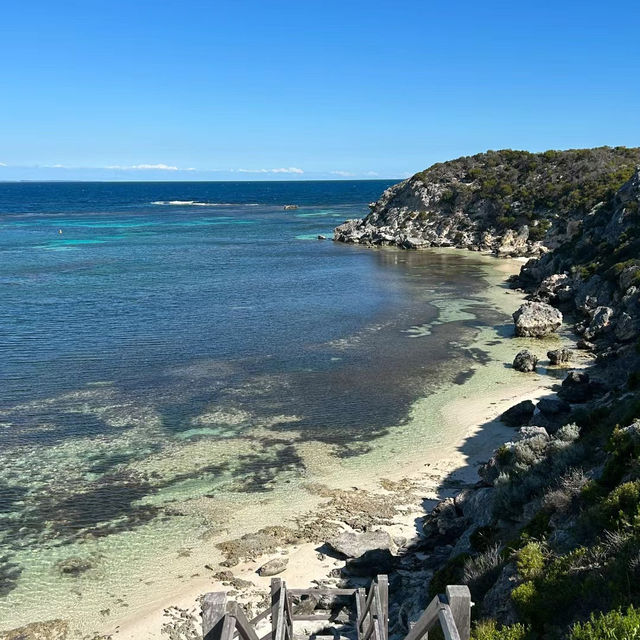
[{"x": 130, "y": 325}]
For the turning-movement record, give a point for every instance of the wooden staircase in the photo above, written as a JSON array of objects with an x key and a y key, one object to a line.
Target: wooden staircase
[{"x": 226, "y": 620}]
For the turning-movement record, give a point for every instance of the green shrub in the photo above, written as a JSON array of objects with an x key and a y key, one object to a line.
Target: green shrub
[
  {"x": 525, "y": 597},
  {"x": 530, "y": 560},
  {"x": 613, "y": 625},
  {"x": 622, "y": 506},
  {"x": 490, "y": 630}
]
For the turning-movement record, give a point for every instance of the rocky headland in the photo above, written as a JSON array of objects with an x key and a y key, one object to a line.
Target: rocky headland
[{"x": 512, "y": 203}]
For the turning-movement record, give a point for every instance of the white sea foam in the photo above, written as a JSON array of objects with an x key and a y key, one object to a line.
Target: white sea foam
[{"x": 196, "y": 203}]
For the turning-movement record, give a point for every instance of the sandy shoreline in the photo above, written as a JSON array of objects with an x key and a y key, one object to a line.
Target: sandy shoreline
[{"x": 429, "y": 478}]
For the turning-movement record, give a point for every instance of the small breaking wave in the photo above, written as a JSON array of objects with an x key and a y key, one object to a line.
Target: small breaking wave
[{"x": 196, "y": 203}]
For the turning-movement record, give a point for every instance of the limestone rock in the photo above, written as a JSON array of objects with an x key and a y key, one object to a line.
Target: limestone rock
[
  {"x": 576, "y": 387},
  {"x": 536, "y": 320},
  {"x": 371, "y": 563},
  {"x": 559, "y": 356},
  {"x": 525, "y": 361},
  {"x": 74, "y": 565},
  {"x": 353, "y": 545},
  {"x": 553, "y": 406},
  {"x": 49, "y": 630},
  {"x": 519, "y": 414},
  {"x": 273, "y": 567},
  {"x": 600, "y": 321}
]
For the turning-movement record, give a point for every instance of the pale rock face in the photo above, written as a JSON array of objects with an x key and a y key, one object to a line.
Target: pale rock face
[
  {"x": 557, "y": 287},
  {"x": 626, "y": 328},
  {"x": 412, "y": 215},
  {"x": 536, "y": 320},
  {"x": 353, "y": 545},
  {"x": 600, "y": 321}
]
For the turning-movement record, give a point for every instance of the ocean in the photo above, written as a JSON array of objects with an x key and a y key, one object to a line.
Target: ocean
[{"x": 174, "y": 354}]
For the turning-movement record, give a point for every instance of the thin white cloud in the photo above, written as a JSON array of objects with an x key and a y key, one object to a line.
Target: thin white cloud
[
  {"x": 372, "y": 173},
  {"x": 280, "y": 170},
  {"x": 344, "y": 174},
  {"x": 137, "y": 167},
  {"x": 3, "y": 164}
]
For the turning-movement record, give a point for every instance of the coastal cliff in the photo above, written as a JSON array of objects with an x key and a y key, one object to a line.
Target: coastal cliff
[{"x": 512, "y": 203}]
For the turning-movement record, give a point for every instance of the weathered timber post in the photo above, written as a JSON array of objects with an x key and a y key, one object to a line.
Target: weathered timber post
[
  {"x": 277, "y": 609},
  {"x": 383, "y": 593},
  {"x": 459, "y": 598},
  {"x": 215, "y": 621}
]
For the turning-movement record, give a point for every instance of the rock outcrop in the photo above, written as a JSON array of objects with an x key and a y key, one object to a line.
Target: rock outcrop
[
  {"x": 352, "y": 544},
  {"x": 597, "y": 274},
  {"x": 511, "y": 203},
  {"x": 525, "y": 361},
  {"x": 536, "y": 320}
]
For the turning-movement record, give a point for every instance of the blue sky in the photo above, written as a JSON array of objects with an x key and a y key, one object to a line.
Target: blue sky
[{"x": 266, "y": 89}]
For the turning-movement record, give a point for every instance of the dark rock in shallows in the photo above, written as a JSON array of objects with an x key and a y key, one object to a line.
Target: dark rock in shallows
[
  {"x": 559, "y": 356},
  {"x": 73, "y": 566},
  {"x": 321, "y": 237},
  {"x": 353, "y": 545},
  {"x": 536, "y": 320},
  {"x": 585, "y": 345},
  {"x": 519, "y": 414},
  {"x": 525, "y": 361},
  {"x": 553, "y": 406},
  {"x": 273, "y": 567}
]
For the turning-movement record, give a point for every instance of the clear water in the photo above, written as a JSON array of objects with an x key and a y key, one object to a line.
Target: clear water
[{"x": 170, "y": 350}]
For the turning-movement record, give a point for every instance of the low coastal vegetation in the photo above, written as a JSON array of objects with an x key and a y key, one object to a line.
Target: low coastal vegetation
[{"x": 510, "y": 202}]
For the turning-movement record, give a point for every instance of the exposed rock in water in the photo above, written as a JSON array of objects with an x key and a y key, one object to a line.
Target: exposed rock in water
[
  {"x": 353, "y": 545},
  {"x": 525, "y": 361},
  {"x": 273, "y": 567},
  {"x": 536, "y": 320},
  {"x": 74, "y": 565},
  {"x": 519, "y": 414},
  {"x": 49, "y": 630},
  {"x": 559, "y": 356}
]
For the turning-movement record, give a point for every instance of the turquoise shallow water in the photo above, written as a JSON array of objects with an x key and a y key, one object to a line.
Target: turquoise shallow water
[{"x": 162, "y": 362}]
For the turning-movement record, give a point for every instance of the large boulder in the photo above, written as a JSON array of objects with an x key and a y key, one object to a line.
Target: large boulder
[
  {"x": 353, "y": 545},
  {"x": 553, "y": 407},
  {"x": 371, "y": 563},
  {"x": 525, "y": 361},
  {"x": 536, "y": 320},
  {"x": 519, "y": 414}
]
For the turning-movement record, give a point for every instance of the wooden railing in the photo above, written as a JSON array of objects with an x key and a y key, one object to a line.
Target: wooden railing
[
  {"x": 452, "y": 611},
  {"x": 372, "y": 611},
  {"x": 224, "y": 620}
]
